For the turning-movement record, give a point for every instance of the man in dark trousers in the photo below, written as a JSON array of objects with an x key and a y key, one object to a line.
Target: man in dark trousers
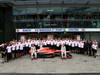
[
  {"x": 86, "y": 47},
  {"x": 9, "y": 52},
  {"x": 3, "y": 52},
  {"x": 94, "y": 48},
  {"x": 90, "y": 48}
]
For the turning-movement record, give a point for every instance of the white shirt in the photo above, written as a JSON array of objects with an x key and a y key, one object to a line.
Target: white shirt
[
  {"x": 45, "y": 43},
  {"x": 8, "y": 49},
  {"x": 69, "y": 43},
  {"x": 63, "y": 48},
  {"x": 30, "y": 43},
  {"x": 13, "y": 47},
  {"x": 66, "y": 42},
  {"x": 73, "y": 44},
  {"x": 58, "y": 43},
  {"x": 26, "y": 44},
  {"x": 94, "y": 46},
  {"x": 51, "y": 42},
  {"x": 33, "y": 49},
  {"x": 36, "y": 42},
  {"x": 62, "y": 42},
  {"x": 41, "y": 46},
  {"x": 17, "y": 46},
  {"x": 79, "y": 45},
  {"x": 55, "y": 42},
  {"x": 21, "y": 46},
  {"x": 48, "y": 42},
  {"x": 82, "y": 45},
  {"x": 76, "y": 43}
]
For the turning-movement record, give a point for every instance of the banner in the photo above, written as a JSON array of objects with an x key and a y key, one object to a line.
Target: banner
[{"x": 59, "y": 30}]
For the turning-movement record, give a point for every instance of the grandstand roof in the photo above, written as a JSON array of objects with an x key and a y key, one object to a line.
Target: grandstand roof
[
  {"x": 55, "y": 1},
  {"x": 75, "y": 1},
  {"x": 66, "y": 2}
]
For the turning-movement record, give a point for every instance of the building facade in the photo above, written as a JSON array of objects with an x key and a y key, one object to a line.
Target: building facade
[
  {"x": 53, "y": 17},
  {"x": 7, "y": 27}
]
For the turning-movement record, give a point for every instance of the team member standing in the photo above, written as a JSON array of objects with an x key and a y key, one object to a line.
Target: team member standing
[
  {"x": 73, "y": 46},
  {"x": 76, "y": 46},
  {"x": 94, "y": 49},
  {"x": 63, "y": 51},
  {"x": 13, "y": 51},
  {"x": 90, "y": 48},
  {"x": 9, "y": 52},
  {"x": 3, "y": 52},
  {"x": 17, "y": 49},
  {"x": 41, "y": 45},
  {"x": 86, "y": 47},
  {"x": 82, "y": 47},
  {"x": 21, "y": 46}
]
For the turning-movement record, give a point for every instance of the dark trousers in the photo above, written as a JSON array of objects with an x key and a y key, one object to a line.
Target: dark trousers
[
  {"x": 90, "y": 52},
  {"x": 9, "y": 56},
  {"x": 94, "y": 52}
]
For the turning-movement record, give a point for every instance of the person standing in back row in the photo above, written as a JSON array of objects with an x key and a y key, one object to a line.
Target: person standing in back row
[
  {"x": 9, "y": 52},
  {"x": 90, "y": 48},
  {"x": 94, "y": 48}
]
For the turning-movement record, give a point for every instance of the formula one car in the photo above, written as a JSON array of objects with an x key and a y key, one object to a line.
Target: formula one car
[
  {"x": 49, "y": 53},
  {"x": 46, "y": 52}
]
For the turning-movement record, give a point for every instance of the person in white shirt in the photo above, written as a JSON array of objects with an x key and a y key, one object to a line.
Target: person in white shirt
[
  {"x": 17, "y": 46},
  {"x": 57, "y": 45},
  {"x": 94, "y": 48},
  {"x": 63, "y": 51},
  {"x": 13, "y": 51},
  {"x": 73, "y": 46},
  {"x": 79, "y": 47},
  {"x": 17, "y": 49},
  {"x": 82, "y": 47},
  {"x": 76, "y": 46},
  {"x": 21, "y": 46},
  {"x": 69, "y": 43},
  {"x": 33, "y": 53},
  {"x": 26, "y": 47},
  {"x": 26, "y": 43},
  {"x": 9, "y": 51},
  {"x": 29, "y": 43},
  {"x": 40, "y": 44}
]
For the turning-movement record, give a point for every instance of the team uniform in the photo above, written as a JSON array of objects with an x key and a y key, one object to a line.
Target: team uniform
[
  {"x": 9, "y": 51},
  {"x": 73, "y": 46},
  {"x": 76, "y": 46},
  {"x": 63, "y": 51},
  {"x": 17, "y": 50},
  {"x": 3, "y": 53},
  {"x": 21, "y": 46},
  {"x": 13, "y": 51},
  {"x": 33, "y": 53},
  {"x": 94, "y": 49},
  {"x": 81, "y": 47}
]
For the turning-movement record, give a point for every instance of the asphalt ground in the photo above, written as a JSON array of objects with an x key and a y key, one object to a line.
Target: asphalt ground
[{"x": 78, "y": 64}]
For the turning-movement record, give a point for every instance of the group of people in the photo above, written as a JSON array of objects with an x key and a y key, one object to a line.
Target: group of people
[{"x": 15, "y": 49}]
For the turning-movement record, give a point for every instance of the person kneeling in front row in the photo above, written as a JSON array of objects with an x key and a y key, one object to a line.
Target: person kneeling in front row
[
  {"x": 63, "y": 51},
  {"x": 33, "y": 53}
]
